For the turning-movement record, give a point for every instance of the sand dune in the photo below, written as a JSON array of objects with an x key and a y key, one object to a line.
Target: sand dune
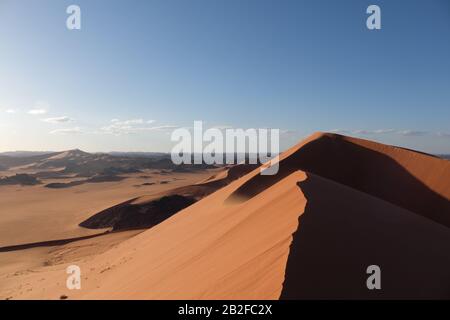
[
  {"x": 337, "y": 205},
  {"x": 150, "y": 210},
  {"x": 410, "y": 179}
]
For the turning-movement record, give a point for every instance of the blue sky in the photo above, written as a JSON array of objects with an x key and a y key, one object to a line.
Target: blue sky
[{"x": 137, "y": 69}]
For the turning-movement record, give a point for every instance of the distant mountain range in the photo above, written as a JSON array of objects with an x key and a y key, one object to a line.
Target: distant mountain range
[
  {"x": 20, "y": 153},
  {"x": 24, "y": 153},
  {"x": 77, "y": 163}
]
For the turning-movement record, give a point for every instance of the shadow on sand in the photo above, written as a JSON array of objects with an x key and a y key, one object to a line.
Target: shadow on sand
[
  {"x": 49, "y": 243},
  {"x": 343, "y": 231}
]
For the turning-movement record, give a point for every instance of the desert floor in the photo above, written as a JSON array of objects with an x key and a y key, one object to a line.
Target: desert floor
[{"x": 33, "y": 215}]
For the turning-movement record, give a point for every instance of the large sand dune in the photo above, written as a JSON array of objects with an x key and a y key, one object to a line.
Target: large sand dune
[
  {"x": 337, "y": 205},
  {"x": 409, "y": 179}
]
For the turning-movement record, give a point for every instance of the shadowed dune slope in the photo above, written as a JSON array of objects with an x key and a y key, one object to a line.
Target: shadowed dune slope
[
  {"x": 129, "y": 215},
  {"x": 412, "y": 180},
  {"x": 343, "y": 231}
]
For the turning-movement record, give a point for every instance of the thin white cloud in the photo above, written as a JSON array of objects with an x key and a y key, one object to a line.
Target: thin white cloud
[
  {"x": 377, "y": 131},
  {"x": 161, "y": 128},
  {"x": 443, "y": 134},
  {"x": 62, "y": 119},
  {"x": 381, "y": 131},
  {"x": 412, "y": 133},
  {"x": 128, "y": 122},
  {"x": 341, "y": 131},
  {"x": 10, "y": 110},
  {"x": 288, "y": 131},
  {"x": 115, "y": 129},
  {"x": 118, "y": 127},
  {"x": 37, "y": 111},
  {"x": 40, "y": 107},
  {"x": 134, "y": 121},
  {"x": 362, "y": 132},
  {"x": 74, "y": 130}
]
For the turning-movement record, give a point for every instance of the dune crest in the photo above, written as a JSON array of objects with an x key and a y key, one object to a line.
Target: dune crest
[{"x": 409, "y": 179}]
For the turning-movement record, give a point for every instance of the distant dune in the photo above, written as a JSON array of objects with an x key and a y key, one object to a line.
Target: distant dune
[
  {"x": 19, "y": 179},
  {"x": 337, "y": 205},
  {"x": 94, "y": 179}
]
